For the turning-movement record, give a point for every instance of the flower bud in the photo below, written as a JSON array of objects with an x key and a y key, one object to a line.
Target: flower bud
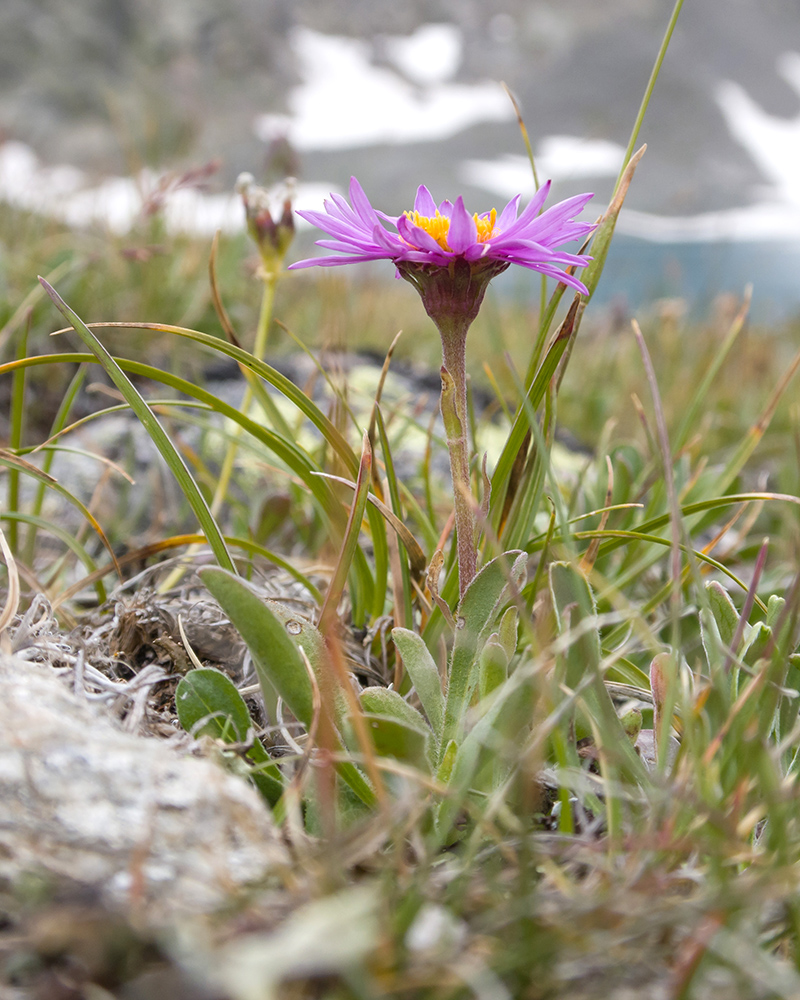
[{"x": 272, "y": 237}]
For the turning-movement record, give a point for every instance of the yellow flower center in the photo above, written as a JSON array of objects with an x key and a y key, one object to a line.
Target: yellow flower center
[{"x": 438, "y": 226}]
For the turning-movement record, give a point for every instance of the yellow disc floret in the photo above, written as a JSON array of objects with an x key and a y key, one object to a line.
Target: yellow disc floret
[{"x": 438, "y": 226}]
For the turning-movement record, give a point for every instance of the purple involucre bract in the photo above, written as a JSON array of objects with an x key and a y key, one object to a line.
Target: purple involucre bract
[{"x": 439, "y": 235}]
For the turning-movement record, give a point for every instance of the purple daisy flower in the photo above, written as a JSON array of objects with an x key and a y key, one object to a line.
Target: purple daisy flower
[
  {"x": 437, "y": 236},
  {"x": 450, "y": 257}
]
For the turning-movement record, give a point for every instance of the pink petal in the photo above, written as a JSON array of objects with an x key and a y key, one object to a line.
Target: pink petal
[
  {"x": 341, "y": 247},
  {"x": 462, "y": 233},
  {"x": 508, "y": 215},
  {"x": 446, "y": 208},
  {"x": 557, "y": 217},
  {"x": 553, "y": 272},
  {"x": 417, "y": 237},
  {"x": 336, "y": 227},
  {"x": 531, "y": 210},
  {"x": 361, "y": 203},
  {"x": 388, "y": 241},
  {"x": 424, "y": 203},
  {"x": 342, "y": 209},
  {"x": 331, "y": 261}
]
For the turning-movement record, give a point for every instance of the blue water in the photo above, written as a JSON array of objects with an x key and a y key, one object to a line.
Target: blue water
[{"x": 638, "y": 271}]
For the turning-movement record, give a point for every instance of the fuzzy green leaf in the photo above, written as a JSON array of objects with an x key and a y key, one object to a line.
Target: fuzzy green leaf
[
  {"x": 493, "y": 666},
  {"x": 422, "y": 670},
  {"x": 724, "y": 610},
  {"x": 581, "y": 663},
  {"x": 276, "y": 658},
  {"x": 496, "y": 734},
  {"x": 475, "y": 620},
  {"x": 775, "y": 606},
  {"x": 790, "y": 705},
  {"x": 397, "y": 728},
  {"x": 384, "y": 701},
  {"x": 207, "y": 695},
  {"x": 507, "y": 631},
  {"x": 209, "y": 704}
]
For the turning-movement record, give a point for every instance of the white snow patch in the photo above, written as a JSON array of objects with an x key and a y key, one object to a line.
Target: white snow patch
[
  {"x": 430, "y": 56},
  {"x": 560, "y": 157},
  {"x": 773, "y": 144},
  {"x": 63, "y": 192},
  {"x": 345, "y": 101}
]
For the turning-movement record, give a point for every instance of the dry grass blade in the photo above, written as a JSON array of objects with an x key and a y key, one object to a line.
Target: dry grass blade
[
  {"x": 728, "y": 526},
  {"x": 432, "y": 580},
  {"x": 336, "y": 586},
  {"x": 625, "y": 182},
  {"x": 758, "y": 569},
  {"x": 187, "y": 645},
  {"x": 13, "y": 461},
  {"x": 216, "y": 298},
  {"x": 178, "y": 541},
  {"x": 666, "y": 459},
  {"x": 379, "y": 391},
  {"x": 587, "y": 563},
  {"x": 524, "y": 132},
  {"x": 359, "y": 723},
  {"x": 416, "y": 556},
  {"x": 757, "y": 431},
  {"x": 12, "y": 600},
  {"x": 86, "y": 453}
]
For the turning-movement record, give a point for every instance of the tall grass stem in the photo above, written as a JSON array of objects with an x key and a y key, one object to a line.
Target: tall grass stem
[{"x": 648, "y": 93}]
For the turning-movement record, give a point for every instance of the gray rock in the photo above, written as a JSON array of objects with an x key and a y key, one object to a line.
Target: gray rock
[{"x": 161, "y": 835}]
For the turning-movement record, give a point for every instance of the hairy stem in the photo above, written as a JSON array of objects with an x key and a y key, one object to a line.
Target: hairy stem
[{"x": 454, "y": 415}]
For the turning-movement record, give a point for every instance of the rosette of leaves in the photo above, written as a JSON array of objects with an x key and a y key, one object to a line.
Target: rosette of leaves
[{"x": 449, "y": 738}]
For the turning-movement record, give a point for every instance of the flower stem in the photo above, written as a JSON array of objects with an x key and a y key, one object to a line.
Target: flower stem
[
  {"x": 264, "y": 317},
  {"x": 452, "y": 296},
  {"x": 454, "y": 416}
]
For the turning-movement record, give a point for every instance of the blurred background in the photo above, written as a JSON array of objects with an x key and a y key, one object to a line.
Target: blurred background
[{"x": 99, "y": 98}]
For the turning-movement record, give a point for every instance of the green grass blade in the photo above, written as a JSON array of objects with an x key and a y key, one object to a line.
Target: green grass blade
[
  {"x": 16, "y": 421},
  {"x": 648, "y": 93},
  {"x": 57, "y": 426},
  {"x": 289, "y": 452},
  {"x": 687, "y": 510},
  {"x": 689, "y": 420},
  {"x": 640, "y": 536},
  {"x": 522, "y": 421},
  {"x": 157, "y": 433},
  {"x": 397, "y": 509},
  {"x": 67, "y": 538},
  {"x": 284, "y": 385},
  {"x": 20, "y": 465},
  {"x": 350, "y": 543}
]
